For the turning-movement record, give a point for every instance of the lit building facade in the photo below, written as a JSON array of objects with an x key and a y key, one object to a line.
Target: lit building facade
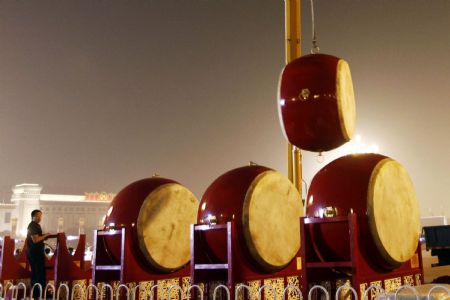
[{"x": 61, "y": 213}]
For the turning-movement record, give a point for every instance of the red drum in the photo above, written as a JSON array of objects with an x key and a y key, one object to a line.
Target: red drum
[
  {"x": 316, "y": 102},
  {"x": 266, "y": 207},
  {"x": 159, "y": 211},
  {"x": 379, "y": 190}
]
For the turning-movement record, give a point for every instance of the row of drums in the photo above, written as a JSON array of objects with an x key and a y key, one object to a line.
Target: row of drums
[
  {"x": 266, "y": 208},
  {"x": 317, "y": 112}
]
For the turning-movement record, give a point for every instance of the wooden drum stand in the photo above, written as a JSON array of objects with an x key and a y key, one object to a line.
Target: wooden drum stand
[
  {"x": 356, "y": 272},
  {"x": 238, "y": 269}
]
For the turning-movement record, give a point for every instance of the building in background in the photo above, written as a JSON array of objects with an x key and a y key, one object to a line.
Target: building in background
[{"x": 61, "y": 213}]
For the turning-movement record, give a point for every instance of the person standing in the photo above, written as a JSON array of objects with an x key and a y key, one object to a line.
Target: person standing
[{"x": 35, "y": 251}]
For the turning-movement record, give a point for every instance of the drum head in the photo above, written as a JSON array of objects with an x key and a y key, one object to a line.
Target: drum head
[
  {"x": 345, "y": 99},
  {"x": 271, "y": 225},
  {"x": 393, "y": 212},
  {"x": 163, "y": 226}
]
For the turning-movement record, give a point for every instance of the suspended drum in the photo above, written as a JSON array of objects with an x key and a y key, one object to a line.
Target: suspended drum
[
  {"x": 159, "y": 211},
  {"x": 266, "y": 208},
  {"x": 316, "y": 102},
  {"x": 379, "y": 190}
]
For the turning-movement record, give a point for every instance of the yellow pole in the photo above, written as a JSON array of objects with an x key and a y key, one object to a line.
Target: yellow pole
[{"x": 293, "y": 51}]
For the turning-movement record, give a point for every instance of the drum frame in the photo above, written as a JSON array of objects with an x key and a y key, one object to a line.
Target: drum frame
[
  {"x": 62, "y": 267},
  {"x": 362, "y": 274},
  {"x": 239, "y": 268},
  {"x": 105, "y": 269}
]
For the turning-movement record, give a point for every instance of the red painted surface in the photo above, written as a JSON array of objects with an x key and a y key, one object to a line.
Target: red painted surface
[
  {"x": 11, "y": 267},
  {"x": 61, "y": 267},
  {"x": 128, "y": 268},
  {"x": 65, "y": 266},
  {"x": 133, "y": 267},
  {"x": 220, "y": 244},
  {"x": 224, "y": 200},
  {"x": 343, "y": 184},
  {"x": 358, "y": 269},
  {"x": 125, "y": 211},
  {"x": 311, "y": 124}
]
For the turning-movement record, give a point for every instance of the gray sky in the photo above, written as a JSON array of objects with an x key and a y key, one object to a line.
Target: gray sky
[{"x": 97, "y": 94}]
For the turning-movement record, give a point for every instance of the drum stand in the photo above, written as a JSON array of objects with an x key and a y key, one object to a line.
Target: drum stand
[
  {"x": 68, "y": 268},
  {"x": 12, "y": 268},
  {"x": 357, "y": 271},
  {"x": 238, "y": 269},
  {"x": 128, "y": 269},
  {"x": 204, "y": 272},
  {"x": 62, "y": 267}
]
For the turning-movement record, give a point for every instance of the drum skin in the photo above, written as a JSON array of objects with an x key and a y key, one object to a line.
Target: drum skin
[
  {"x": 256, "y": 198},
  {"x": 316, "y": 102},
  {"x": 380, "y": 191},
  {"x": 159, "y": 212}
]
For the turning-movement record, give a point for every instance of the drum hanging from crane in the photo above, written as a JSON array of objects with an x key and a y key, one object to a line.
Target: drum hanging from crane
[{"x": 316, "y": 102}]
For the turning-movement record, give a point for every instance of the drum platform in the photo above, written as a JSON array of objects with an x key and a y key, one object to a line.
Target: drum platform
[
  {"x": 357, "y": 271},
  {"x": 239, "y": 269},
  {"x": 129, "y": 271}
]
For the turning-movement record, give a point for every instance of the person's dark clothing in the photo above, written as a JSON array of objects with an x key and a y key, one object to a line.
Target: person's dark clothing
[{"x": 36, "y": 257}]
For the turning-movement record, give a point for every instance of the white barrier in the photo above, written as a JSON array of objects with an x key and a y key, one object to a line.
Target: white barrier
[
  {"x": 62, "y": 285},
  {"x": 194, "y": 286},
  {"x": 40, "y": 290},
  {"x": 406, "y": 287},
  {"x": 106, "y": 287},
  {"x": 324, "y": 290},
  {"x": 15, "y": 291},
  {"x": 266, "y": 286},
  {"x": 346, "y": 286},
  {"x": 118, "y": 291},
  {"x": 221, "y": 286},
  {"x": 430, "y": 292},
  {"x": 171, "y": 288},
  {"x": 152, "y": 291},
  {"x": 74, "y": 288},
  {"x": 21, "y": 284},
  {"x": 238, "y": 289},
  {"x": 379, "y": 290},
  {"x": 295, "y": 288},
  {"x": 8, "y": 286},
  {"x": 140, "y": 287},
  {"x": 90, "y": 287},
  {"x": 49, "y": 285}
]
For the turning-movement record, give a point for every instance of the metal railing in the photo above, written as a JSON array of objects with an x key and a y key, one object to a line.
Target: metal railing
[{"x": 92, "y": 292}]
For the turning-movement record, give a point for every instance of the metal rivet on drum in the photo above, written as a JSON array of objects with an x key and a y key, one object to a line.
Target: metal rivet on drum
[
  {"x": 320, "y": 158},
  {"x": 304, "y": 94}
]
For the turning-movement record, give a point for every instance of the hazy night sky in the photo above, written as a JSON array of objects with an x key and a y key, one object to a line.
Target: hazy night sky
[{"x": 97, "y": 94}]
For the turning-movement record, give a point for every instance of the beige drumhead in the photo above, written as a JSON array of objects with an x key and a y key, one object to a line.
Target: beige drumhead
[
  {"x": 271, "y": 212},
  {"x": 163, "y": 226},
  {"x": 393, "y": 212},
  {"x": 345, "y": 99}
]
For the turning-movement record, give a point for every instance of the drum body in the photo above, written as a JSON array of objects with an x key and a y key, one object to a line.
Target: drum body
[
  {"x": 316, "y": 102},
  {"x": 379, "y": 190},
  {"x": 265, "y": 207},
  {"x": 159, "y": 212}
]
